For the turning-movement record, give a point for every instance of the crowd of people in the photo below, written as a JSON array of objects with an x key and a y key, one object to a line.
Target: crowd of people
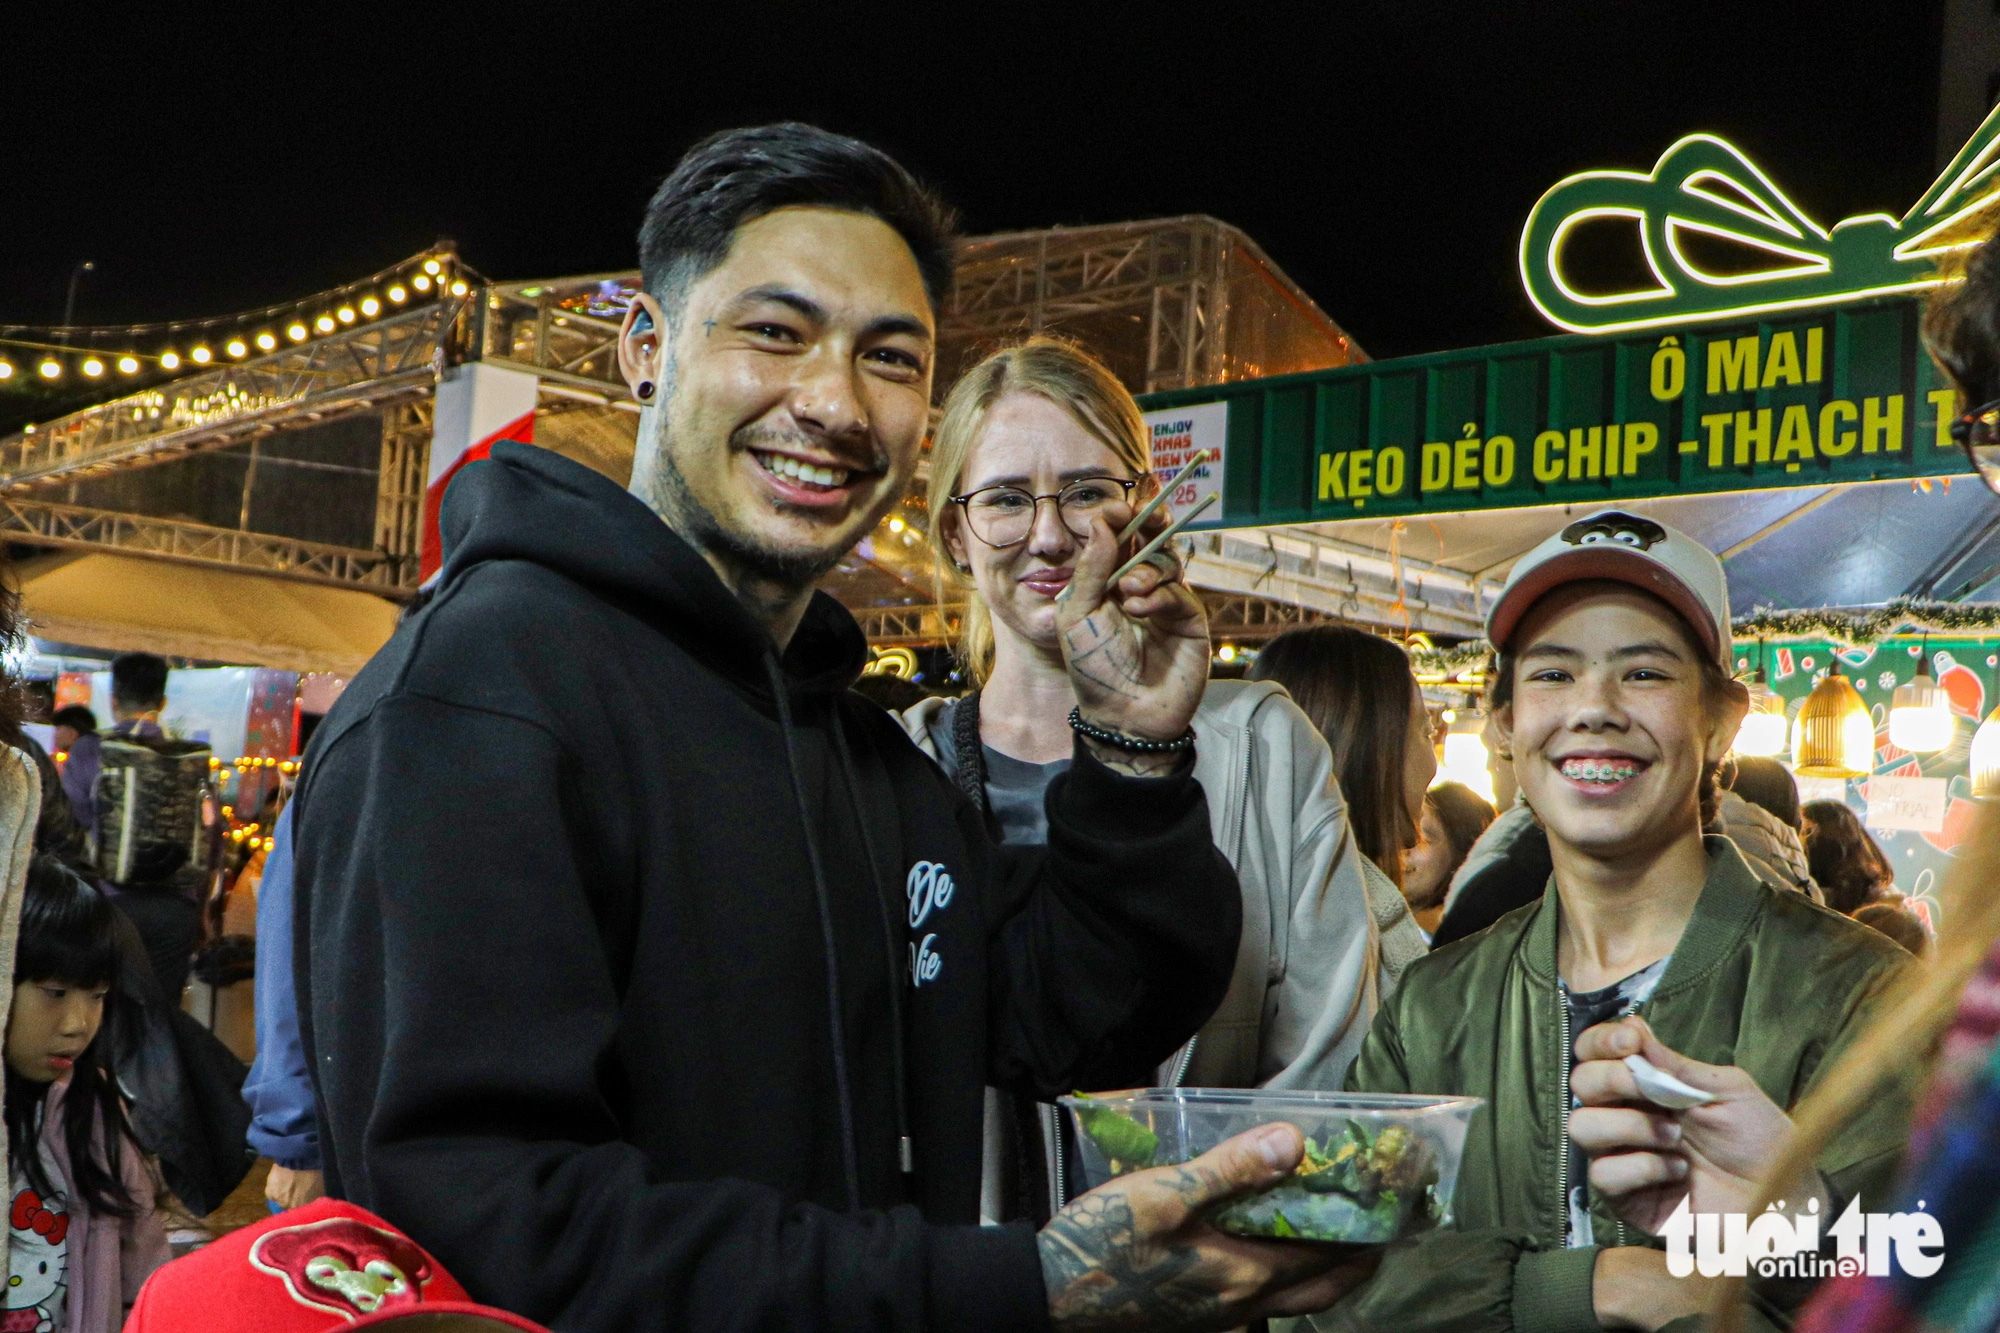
[{"x": 620, "y": 967}]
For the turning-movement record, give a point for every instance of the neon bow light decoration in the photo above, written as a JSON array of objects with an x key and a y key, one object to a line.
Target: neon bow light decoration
[{"x": 1706, "y": 185}]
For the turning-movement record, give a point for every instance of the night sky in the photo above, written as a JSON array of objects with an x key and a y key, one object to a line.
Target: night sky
[{"x": 1385, "y": 155}]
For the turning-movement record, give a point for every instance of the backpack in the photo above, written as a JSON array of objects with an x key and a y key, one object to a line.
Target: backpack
[{"x": 148, "y": 800}]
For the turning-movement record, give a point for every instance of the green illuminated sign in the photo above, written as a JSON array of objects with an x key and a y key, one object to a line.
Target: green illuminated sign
[
  {"x": 1704, "y": 186},
  {"x": 1839, "y": 395}
]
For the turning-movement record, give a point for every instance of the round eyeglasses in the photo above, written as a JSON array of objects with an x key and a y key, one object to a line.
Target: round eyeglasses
[
  {"x": 1978, "y": 433},
  {"x": 1003, "y": 516}
]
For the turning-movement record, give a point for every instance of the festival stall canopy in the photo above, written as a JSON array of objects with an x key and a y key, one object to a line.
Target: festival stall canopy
[{"x": 125, "y": 603}]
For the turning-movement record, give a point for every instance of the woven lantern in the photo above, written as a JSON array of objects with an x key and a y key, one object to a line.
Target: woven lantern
[{"x": 1834, "y": 736}]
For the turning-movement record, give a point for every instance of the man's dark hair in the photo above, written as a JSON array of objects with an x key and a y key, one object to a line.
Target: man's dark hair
[
  {"x": 76, "y": 717},
  {"x": 138, "y": 680},
  {"x": 738, "y": 176}
]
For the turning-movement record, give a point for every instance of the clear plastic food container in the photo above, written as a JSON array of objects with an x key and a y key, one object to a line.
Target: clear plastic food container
[{"x": 1377, "y": 1166}]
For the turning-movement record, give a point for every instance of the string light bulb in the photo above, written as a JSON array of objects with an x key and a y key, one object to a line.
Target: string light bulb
[
  {"x": 398, "y": 295},
  {"x": 128, "y": 365},
  {"x": 346, "y": 314},
  {"x": 236, "y": 347},
  {"x": 421, "y": 283},
  {"x": 6, "y": 369},
  {"x": 431, "y": 267},
  {"x": 51, "y": 368},
  {"x": 297, "y": 333},
  {"x": 458, "y": 288},
  {"x": 324, "y": 324},
  {"x": 201, "y": 356},
  {"x": 170, "y": 360},
  {"x": 1834, "y": 736},
  {"x": 93, "y": 367},
  {"x": 1920, "y": 719},
  {"x": 266, "y": 343},
  {"x": 371, "y": 307}
]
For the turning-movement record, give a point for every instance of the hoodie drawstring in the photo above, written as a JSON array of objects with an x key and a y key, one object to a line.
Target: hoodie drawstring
[
  {"x": 842, "y": 1087},
  {"x": 888, "y": 910}
]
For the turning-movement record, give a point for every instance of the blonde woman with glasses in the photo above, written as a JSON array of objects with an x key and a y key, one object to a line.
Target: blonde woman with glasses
[{"x": 1036, "y": 443}]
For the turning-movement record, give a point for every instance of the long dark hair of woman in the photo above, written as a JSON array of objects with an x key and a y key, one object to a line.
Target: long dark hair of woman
[
  {"x": 1843, "y": 858},
  {"x": 1357, "y": 689},
  {"x": 68, "y": 934}
]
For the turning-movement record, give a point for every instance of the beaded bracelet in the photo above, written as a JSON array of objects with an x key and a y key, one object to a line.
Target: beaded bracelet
[{"x": 1118, "y": 740}]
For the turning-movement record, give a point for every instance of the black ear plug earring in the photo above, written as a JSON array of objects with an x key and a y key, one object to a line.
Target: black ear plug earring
[{"x": 643, "y": 323}]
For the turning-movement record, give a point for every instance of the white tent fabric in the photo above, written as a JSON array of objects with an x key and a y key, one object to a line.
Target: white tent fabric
[
  {"x": 125, "y": 603},
  {"x": 1799, "y": 548}
]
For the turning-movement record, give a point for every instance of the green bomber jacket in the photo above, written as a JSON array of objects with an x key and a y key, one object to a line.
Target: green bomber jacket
[{"x": 1762, "y": 978}]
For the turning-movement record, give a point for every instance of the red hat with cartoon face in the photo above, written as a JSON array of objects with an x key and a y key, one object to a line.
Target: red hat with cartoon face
[{"x": 327, "y": 1266}]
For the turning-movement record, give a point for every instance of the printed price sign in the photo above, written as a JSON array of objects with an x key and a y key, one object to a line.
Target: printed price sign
[
  {"x": 1916, "y": 804},
  {"x": 1177, "y": 435}
]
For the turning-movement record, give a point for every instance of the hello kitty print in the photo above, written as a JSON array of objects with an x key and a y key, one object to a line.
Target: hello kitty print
[{"x": 37, "y": 1262}]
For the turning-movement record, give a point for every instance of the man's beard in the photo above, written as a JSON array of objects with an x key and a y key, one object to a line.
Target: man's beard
[{"x": 675, "y": 501}]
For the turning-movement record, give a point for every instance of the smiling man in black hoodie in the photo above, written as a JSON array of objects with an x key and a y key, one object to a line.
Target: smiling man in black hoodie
[{"x": 651, "y": 979}]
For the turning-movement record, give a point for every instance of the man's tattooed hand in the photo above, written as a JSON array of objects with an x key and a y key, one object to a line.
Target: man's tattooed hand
[
  {"x": 1101, "y": 1276},
  {"x": 1136, "y": 1254}
]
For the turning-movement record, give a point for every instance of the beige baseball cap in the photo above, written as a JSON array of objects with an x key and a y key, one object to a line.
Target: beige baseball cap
[{"x": 1625, "y": 548}]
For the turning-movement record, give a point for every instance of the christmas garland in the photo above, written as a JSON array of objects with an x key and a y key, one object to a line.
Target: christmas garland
[
  {"x": 1865, "y": 629},
  {"x": 1848, "y": 629},
  {"x": 1468, "y": 656}
]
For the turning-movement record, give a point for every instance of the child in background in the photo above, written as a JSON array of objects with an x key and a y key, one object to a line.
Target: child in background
[{"x": 82, "y": 1236}]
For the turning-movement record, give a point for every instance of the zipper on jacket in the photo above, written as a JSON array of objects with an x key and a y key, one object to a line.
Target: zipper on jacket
[
  {"x": 1562, "y": 1119},
  {"x": 1181, "y": 1065},
  {"x": 1243, "y": 803},
  {"x": 1630, "y": 1009},
  {"x": 1052, "y": 1132}
]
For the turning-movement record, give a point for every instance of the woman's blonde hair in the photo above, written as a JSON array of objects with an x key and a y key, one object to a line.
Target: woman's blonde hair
[{"x": 1050, "y": 368}]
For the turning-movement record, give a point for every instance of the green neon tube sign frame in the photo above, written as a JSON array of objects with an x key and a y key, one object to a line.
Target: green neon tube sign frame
[{"x": 1706, "y": 185}]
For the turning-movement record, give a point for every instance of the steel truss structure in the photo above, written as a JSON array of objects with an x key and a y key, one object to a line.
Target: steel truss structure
[
  {"x": 41, "y": 523},
  {"x": 388, "y": 360},
  {"x": 1187, "y": 281},
  {"x": 1168, "y": 303}
]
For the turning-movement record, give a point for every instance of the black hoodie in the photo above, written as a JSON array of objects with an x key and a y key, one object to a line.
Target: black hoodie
[{"x": 574, "y": 876}]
